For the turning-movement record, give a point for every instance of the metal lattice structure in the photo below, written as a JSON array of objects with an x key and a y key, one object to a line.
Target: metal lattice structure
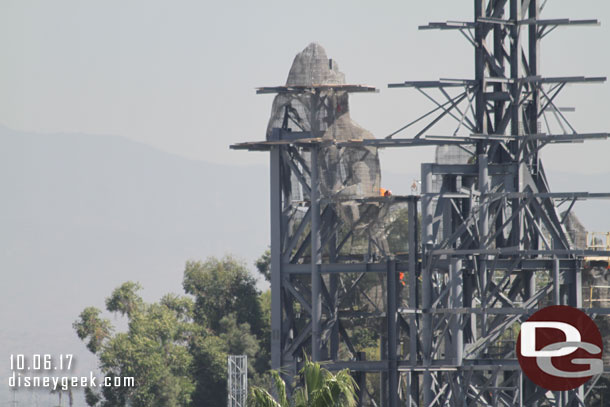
[
  {"x": 491, "y": 250},
  {"x": 237, "y": 380}
]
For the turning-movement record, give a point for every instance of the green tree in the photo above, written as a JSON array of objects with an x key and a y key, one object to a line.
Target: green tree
[
  {"x": 263, "y": 360},
  {"x": 263, "y": 265},
  {"x": 221, "y": 287},
  {"x": 125, "y": 299},
  {"x": 177, "y": 348},
  {"x": 209, "y": 370},
  {"x": 229, "y": 311},
  {"x": 153, "y": 351},
  {"x": 319, "y": 388},
  {"x": 92, "y": 328},
  {"x": 398, "y": 232}
]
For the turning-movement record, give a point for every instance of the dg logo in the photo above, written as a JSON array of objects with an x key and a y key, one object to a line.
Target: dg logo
[{"x": 560, "y": 348}]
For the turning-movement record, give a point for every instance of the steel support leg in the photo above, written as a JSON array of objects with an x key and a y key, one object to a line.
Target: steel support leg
[
  {"x": 276, "y": 259},
  {"x": 392, "y": 315},
  {"x": 316, "y": 295},
  {"x": 483, "y": 234},
  {"x": 426, "y": 337}
]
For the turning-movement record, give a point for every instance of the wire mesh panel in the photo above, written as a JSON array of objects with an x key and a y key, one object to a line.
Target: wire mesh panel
[{"x": 237, "y": 380}]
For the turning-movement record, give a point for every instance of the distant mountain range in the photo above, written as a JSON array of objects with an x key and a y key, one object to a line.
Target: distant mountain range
[{"x": 80, "y": 214}]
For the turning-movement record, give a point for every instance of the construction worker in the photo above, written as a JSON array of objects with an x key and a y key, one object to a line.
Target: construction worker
[{"x": 385, "y": 192}]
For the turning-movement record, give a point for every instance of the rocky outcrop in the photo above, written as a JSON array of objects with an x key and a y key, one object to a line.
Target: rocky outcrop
[
  {"x": 576, "y": 231},
  {"x": 345, "y": 173}
]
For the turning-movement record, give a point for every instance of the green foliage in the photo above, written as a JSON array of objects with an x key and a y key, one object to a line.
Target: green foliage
[
  {"x": 153, "y": 351},
  {"x": 398, "y": 232},
  {"x": 209, "y": 370},
  {"x": 176, "y": 349},
  {"x": 221, "y": 287},
  {"x": 227, "y": 307},
  {"x": 263, "y": 265},
  {"x": 260, "y": 397},
  {"x": 90, "y": 326},
  {"x": 319, "y": 388},
  {"x": 263, "y": 358},
  {"x": 125, "y": 299},
  {"x": 91, "y": 398},
  {"x": 238, "y": 337},
  {"x": 182, "y": 306}
]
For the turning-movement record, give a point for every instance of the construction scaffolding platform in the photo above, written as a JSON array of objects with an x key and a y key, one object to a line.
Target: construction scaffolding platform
[{"x": 483, "y": 245}]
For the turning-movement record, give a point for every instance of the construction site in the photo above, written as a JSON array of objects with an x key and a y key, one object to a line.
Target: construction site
[{"x": 422, "y": 295}]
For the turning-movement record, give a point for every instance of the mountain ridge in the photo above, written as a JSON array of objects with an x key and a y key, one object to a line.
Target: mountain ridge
[{"x": 81, "y": 214}]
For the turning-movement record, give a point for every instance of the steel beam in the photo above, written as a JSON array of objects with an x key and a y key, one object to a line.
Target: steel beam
[
  {"x": 316, "y": 279},
  {"x": 276, "y": 258},
  {"x": 392, "y": 332},
  {"x": 483, "y": 233}
]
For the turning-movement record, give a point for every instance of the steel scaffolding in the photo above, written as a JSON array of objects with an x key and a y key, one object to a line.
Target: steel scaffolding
[
  {"x": 492, "y": 247},
  {"x": 237, "y": 380}
]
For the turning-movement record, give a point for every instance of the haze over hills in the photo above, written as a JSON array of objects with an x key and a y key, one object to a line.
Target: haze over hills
[{"x": 80, "y": 214}]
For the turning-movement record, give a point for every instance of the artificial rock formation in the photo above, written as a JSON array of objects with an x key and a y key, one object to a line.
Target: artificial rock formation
[{"x": 346, "y": 173}]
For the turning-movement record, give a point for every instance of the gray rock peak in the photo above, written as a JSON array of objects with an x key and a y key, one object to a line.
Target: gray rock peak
[{"x": 313, "y": 67}]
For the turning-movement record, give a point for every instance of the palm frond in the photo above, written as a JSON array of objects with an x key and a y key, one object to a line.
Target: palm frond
[
  {"x": 280, "y": 389},
  {"x": 260, "y": 397},
  {"x": 320, "y": 389}
]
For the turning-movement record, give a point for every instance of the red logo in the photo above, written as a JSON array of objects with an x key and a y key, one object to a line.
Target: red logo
[{"x": 560, "y": 348}]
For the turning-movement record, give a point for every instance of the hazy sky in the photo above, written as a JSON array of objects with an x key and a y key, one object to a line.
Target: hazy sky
[{"x": 180, "y": 75}]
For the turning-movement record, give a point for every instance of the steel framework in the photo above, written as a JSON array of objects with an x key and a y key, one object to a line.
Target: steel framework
[
  {"x": 492, "y": 246},
  {"x": 237, "y": 382}
]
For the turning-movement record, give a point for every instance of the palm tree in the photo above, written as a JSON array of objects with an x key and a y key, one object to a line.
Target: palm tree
[
  {"x": 320, "y": 388},
  {"x": 70, "y": 396}
]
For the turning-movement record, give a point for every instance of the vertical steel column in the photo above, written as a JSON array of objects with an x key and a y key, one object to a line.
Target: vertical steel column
[
  {"x": 515, "y": 113},
  {"x": 534, "y": 69},
  {"x": 457, "y": 301},
  {"x": 576, "y": 301},
  {"x": 408, "y": 399},
  {"x": 557, "y": 301},
  {"x": 276, "y": 258},
  {"x": 556, "y": 289},
  {"x": 483, "y": 233},
  {"x": 427, "y": 230},
  {"x": 334, "y": 294},
  {"x": 383, "y": 375},
  {"x": 392, "y": 315},
  {"x": 479, "y": 68},
  {"x": 316, "y": 294},
  {"x": 426, "y": 203},
  {"x": 413, "y": 396},
  {"x": 576, "y": 287},
  {"x": 521, "y": 386},
  {"x": 515, "y": 66},
  {"x": 448, "y": 186},
  {"x": 361, "y": 380},
  {"x": 499, "y": 36}
]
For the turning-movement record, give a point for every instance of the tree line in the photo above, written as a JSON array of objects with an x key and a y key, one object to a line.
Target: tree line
[{"x": 176, "y": 348}]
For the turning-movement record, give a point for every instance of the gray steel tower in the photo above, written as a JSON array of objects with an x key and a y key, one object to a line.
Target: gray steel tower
[
  {"x": 492, "y": 247},
  {"x": 237, "y": 380}
]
